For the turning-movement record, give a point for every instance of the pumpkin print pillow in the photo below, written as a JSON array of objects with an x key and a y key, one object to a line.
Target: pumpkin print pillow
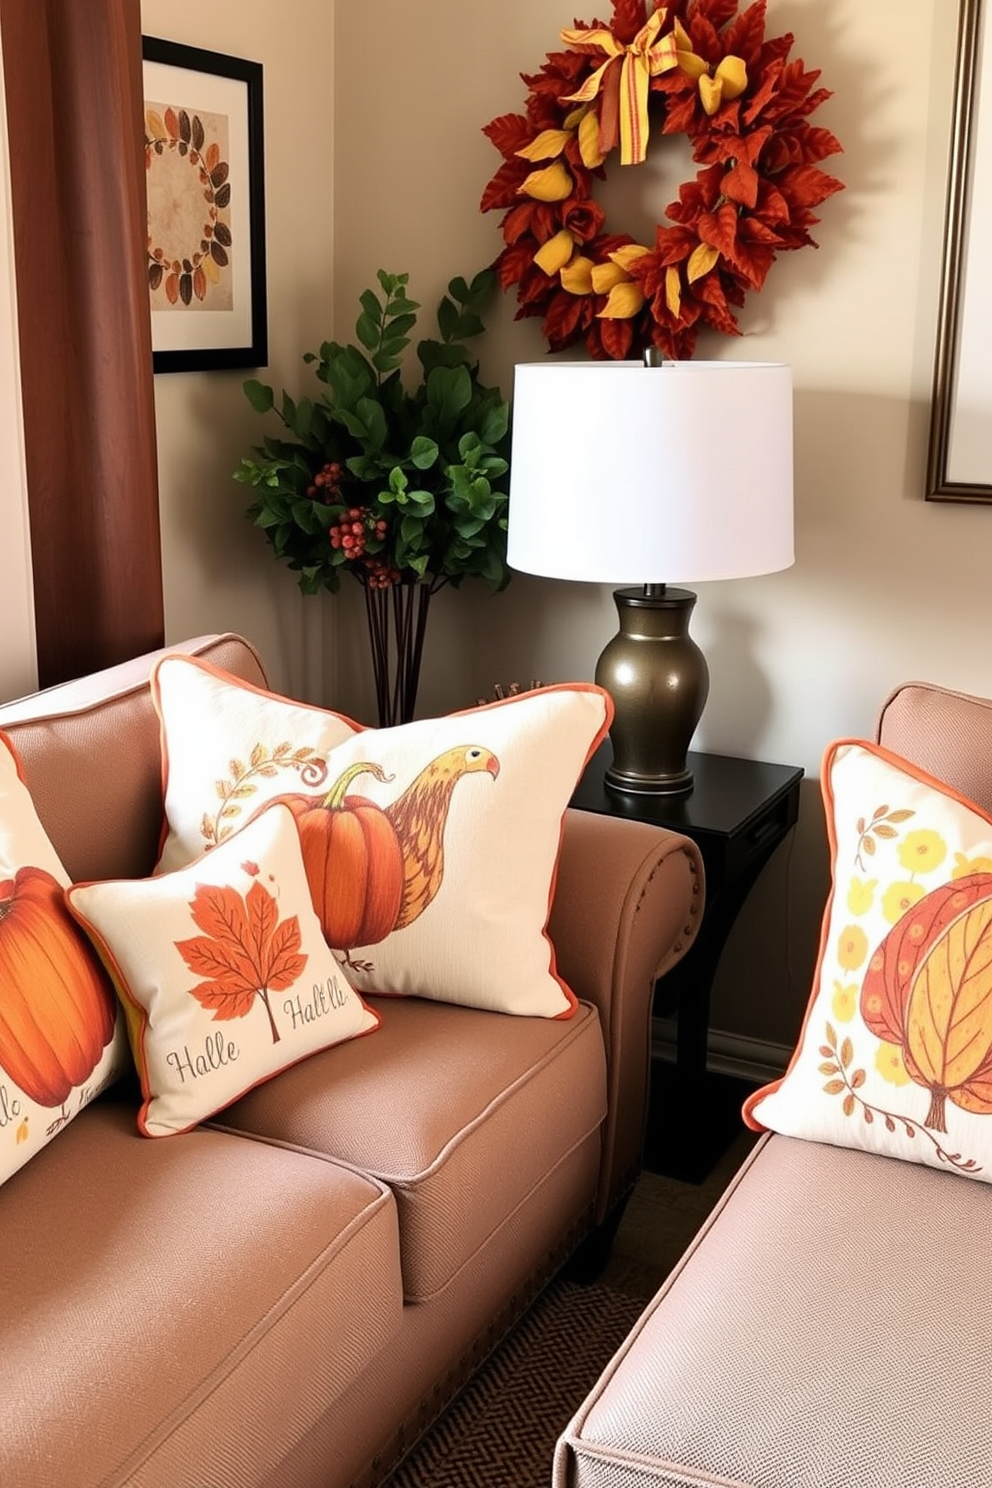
[
  {"x": 895, "y": 1054},
  {"x": 61, "y": 1040},
  {"x": 223, "y": 971},
  {"x": 431, "y": 848}
]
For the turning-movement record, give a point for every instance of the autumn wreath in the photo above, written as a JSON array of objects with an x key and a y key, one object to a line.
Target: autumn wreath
[{"x": 695, "y": 68}]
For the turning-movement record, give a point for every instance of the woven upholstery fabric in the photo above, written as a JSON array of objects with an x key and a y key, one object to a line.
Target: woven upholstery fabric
[
  {"x": 441, "y": 1342},
  {"x": 830, "y": 1327},
  {"x": 156, "y": 1292},
  {"x": 461, "y": 1112},
  {"x": 946, "y": 733},
  {"x": 621, "y": 898}
]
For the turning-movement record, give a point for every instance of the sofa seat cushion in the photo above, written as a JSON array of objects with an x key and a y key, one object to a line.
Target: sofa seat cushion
[
  {"x": 463, "y": 1113},
  {"x": 830, "y": 1325},
  {"x": 181, "y": 1311}
]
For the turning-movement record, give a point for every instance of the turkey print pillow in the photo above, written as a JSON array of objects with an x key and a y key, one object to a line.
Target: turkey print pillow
[
  {"x": 61, "y": 1041},
  {"x": 896, "y": 1052},
  {"x": 431, "y": 848}
]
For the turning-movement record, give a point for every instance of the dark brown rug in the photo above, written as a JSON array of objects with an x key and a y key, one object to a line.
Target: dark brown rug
[{"x": 502, "y": 1429}]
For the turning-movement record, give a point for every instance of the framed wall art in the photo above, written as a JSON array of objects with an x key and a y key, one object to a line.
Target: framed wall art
[
  {"x": 206, "y": 208},
  {"x": 959, "y": 465}
]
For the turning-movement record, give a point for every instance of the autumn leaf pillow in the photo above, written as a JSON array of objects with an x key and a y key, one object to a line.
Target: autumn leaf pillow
[
  {"x": 895, "y": 1054},
  {"x": 431, "y": 848},
  {"x": 61, "y": 1039},
  {"x": 223, "y": 971}
]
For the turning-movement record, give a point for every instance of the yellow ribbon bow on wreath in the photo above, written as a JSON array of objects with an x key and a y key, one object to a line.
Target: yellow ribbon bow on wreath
[{"x": 623, "y": 89}]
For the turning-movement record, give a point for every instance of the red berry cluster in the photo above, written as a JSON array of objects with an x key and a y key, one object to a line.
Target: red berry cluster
[
  {"x": 380, "y": 574},
  {"x": 327, "y": 482},
  {"x": 354, "y": 529}
]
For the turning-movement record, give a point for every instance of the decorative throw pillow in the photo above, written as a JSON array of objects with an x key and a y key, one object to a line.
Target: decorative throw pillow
[
  {"x": 223, "y": 972},
  {"x": 895, "y": 1055},
  {"x": 228, "y": 747},
  {"x": 61, "y": 1038},
  {"x": 431, "y": 848}
]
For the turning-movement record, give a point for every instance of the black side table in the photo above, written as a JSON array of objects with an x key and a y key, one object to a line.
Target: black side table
[{"x": 738, "y": 813}]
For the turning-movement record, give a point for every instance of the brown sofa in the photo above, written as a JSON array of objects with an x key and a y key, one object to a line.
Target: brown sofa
[
  {"x": 286, "y": 1296},
  {"x": 831, "y": 1324}
]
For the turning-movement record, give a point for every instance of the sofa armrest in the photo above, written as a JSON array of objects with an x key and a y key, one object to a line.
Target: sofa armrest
[{"x": 628, "y": 905}]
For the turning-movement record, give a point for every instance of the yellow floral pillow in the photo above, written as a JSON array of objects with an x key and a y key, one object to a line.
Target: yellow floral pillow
[{"x": 895, "y": 1055}]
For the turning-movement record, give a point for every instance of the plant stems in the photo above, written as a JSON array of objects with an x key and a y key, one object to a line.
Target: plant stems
[
  {"x": 397, "y": 625},
  {"x": 378, "y": 648}
]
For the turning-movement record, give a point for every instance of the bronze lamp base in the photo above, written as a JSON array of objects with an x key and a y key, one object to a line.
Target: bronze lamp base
[{"x": 659, "y": 681}]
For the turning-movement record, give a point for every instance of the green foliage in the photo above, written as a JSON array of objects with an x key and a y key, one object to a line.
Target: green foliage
[{"x": 370, "y": 478}]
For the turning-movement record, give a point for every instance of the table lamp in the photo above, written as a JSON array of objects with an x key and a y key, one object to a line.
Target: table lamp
[{"x": 651, "y": 473}]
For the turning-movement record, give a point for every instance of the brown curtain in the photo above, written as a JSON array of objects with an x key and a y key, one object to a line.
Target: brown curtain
[{"x": 72, "y": 74}]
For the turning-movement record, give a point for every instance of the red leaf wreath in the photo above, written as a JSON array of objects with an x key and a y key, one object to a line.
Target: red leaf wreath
[
  {"x": 245, "y": 951},
  {"x": 752, "y": 198}
]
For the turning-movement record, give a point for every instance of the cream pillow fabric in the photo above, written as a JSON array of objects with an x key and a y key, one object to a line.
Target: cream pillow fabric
[
  {"x": 223, "y": 972},
  {"x": 61, "y": 1037},
  {"x": 895, "y": 1054},
  {"x": 431, "y": 848},
  {"x": 229, "y": 747}
]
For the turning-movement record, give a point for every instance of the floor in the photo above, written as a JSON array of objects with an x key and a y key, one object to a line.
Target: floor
[
  {"x": 502, "y": 1431},
  {"x": 665, "y": 1210}
]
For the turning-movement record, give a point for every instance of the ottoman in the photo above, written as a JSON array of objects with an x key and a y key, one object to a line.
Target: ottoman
[{"x": 829, "y": 1327}]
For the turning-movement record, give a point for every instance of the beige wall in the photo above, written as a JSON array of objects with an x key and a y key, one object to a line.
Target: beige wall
[
  {"x": 219, "y": 573},
  {"x": 375, "y": 158},
  {"x": 885, "y": 586}
]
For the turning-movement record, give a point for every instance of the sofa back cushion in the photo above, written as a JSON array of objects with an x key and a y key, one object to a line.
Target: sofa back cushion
[
  {"x": 91, "y": 758},
  {"x": 946, "y": 733}
]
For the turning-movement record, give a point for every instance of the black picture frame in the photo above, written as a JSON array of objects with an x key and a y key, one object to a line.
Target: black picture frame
[
  {"x": 959, "y": 468},
  {"x": 227, "y": 265}
]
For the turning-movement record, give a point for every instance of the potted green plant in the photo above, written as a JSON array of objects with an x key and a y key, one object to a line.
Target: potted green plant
[{"x": 402, "y": 489}]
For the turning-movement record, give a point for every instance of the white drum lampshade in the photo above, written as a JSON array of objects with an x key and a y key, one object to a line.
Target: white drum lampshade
[{"x": 652, "y": 475}]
